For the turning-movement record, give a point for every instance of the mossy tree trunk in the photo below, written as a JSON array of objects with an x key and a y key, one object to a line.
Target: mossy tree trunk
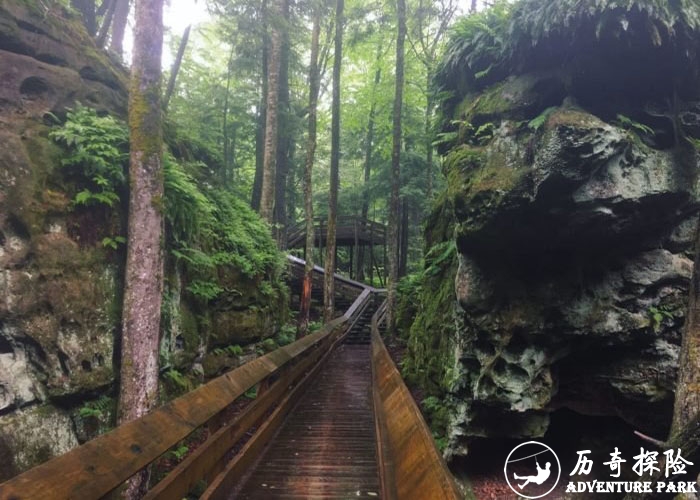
[
  {"x": 314, "y": 84},
  {"x": 267, "y": 191},
  {"x": 138, "y": 390},
  {"x": 328, "y": 281},
  {"x": 393, "y": 230},
  {"x": 687, "y": 402}
]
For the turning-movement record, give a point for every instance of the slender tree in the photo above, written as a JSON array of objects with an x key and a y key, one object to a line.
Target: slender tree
[
  {"x": 106, "y": 24},
  {"x": 687, "y": 402},
  {"x": 328, "y": 281},
  {"x": 393, "y": 230},
  {"x": 121, "y": 14},
  {"x": 314, "y": 84},
  {"x": 284, "y": 135},
  {"x": 369, "y": 143},
  {"x": 138, "y": 389},
  {"x": 176, "y": 67},
  {"x": 262, "y": 112},
  {"x": 267, "y": 191}
]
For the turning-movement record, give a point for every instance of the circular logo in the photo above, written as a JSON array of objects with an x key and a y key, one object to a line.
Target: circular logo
[{"x": 531, "y": 469}]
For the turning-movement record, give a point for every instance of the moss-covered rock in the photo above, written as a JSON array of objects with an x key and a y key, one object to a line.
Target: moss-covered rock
[
  {"x": 573, "y": 187},
  {"x": 60, "y": 284}
]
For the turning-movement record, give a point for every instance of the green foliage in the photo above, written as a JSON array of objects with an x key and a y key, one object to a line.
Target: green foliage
[
  {"x": 178, "y": 379},
  {"x": 97, "y": 152},
  {"x": 186, "y": 207},
  {"x": 269, "y": 345},
  {"x": 179, "y": 453},
  {"x": 537, "y": 122},
  {"x": 657, "y": 316},
  {"x": 636, "y": 127},
  {"x": 251, "y": 393},
  {"x": 113, "y": 243},
  {"x": 204, "y": 290},
  {"x": 286, "y": 335},
  {"x": 486, "y": 47},
  {"x": 230, "y": 350},
  {"x": 96, "y": 409}
]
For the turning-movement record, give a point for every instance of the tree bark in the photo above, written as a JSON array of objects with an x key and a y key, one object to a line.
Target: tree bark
[
  {"x": 429, "y": 139},
  {"x": 284, "y": 139},
  {"x": 121, "y": 15},
  {"x": 328, "y": 278},
  {"x": 138, "y": 389},
  {"x": 393, "y": 229},
  {"x": 87, "y": 11},
  {"x": 267, "y": 191},
  {"x": 369, "y": 142},
  {"x": 176, "y": 67},
  {"x": 228, "y": 153},
  {"x": 403, "y": 241},
  {"x": 106, "y": 24},
  {"x": 473, "y": 6},
  {"x": 687, "y": 402},
  {"x": 262, "y": 117},
  {"x": 314, "y": 84}
]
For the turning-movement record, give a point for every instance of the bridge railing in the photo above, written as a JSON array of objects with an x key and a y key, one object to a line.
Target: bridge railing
[
  {"x": 411, "y": 467},
  {"x": 101, "y": 465}
]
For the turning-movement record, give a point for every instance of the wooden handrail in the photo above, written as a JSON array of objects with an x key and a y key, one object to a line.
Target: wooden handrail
[
  {"x": 101, "y": 465},
  {"x": 411, "y": 467},
  {"x": 296, "y": 261}
]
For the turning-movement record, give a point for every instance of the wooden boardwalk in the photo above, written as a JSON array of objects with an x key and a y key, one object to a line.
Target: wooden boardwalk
[{"x": 327, "y": 447}]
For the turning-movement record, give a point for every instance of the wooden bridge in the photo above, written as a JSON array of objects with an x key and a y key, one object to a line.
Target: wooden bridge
[
  {"x": 359, "y": 235},
  {"x": 332, "y": 420}
]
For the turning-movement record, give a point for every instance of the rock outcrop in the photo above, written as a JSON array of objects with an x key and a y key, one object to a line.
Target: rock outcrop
[
  {"x": 60, "y": 286},
  {"x": 574, "y": 226}
]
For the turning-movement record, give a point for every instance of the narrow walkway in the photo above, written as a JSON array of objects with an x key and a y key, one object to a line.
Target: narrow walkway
[{"x": 327, "y": 447}]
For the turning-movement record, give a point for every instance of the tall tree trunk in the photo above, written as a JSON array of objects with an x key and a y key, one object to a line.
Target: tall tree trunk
[
  {"x": 87, "y": 11},
  {"x": 473, "y": 7},
  {"x": 369, "y": 143},
  {"x": 176, "y": 67},
  {"x": 687, "y": 402},
  {"x": 314, "y": 84},
  {"x": 267, "y": 191},
  {"x": 262, "y": 116},
  {"x": 396, "y": 168},
  {"x": 138, "y": 390},
  {"x": 328, "y": 279},
  {"x": 121, "y": 15},
  {"x": 403, "y": 241},
  {"x": 284, "y": 139},
  {"x": 430, "y": 102},
  {"x": 106, "y": 24},
  {"x": 228, "y": 174}
]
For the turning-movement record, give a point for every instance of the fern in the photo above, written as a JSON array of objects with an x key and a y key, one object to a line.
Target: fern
[
  {"x": 97, "y": 151},
  {"x": 629, "y": 124},
  {"x": 536, "y": 123}
]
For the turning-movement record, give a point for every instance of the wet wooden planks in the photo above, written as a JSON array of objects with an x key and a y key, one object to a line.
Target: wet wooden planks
[{"x": 327, "y": 447}]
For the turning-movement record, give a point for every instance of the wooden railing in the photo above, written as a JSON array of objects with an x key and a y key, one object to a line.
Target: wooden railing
[
  {"x": 100, "y": 466},
  {"x": 297, "y": 232},
  {"x": 411, "y": 467}
]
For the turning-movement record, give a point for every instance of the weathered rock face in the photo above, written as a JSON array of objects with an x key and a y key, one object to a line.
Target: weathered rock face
[
  {"x": 574, "y": 226},
  {"x": 59, "y": 286},
  {"x": 574, "y": 239}
]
